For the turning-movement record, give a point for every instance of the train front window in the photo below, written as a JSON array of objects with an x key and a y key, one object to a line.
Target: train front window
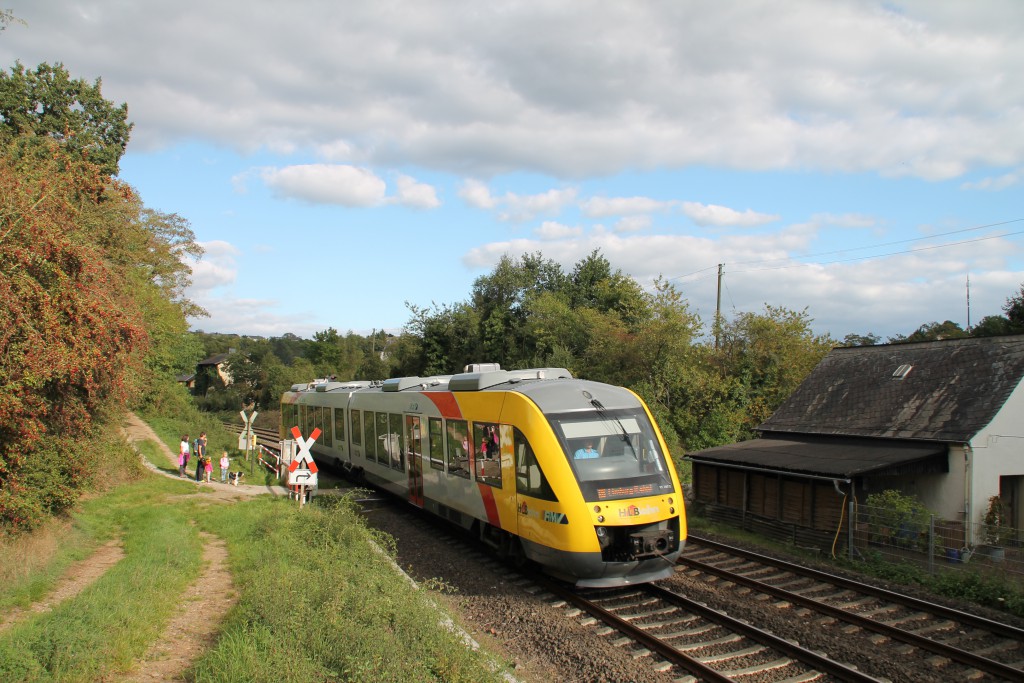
[{"x": 614, "y": 454}]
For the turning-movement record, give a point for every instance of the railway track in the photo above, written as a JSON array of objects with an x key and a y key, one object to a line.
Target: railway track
[
  {"x": 696, "y": 641},
  {"x": 963, "y": 646},
  {"x": 267, "y": 436}
]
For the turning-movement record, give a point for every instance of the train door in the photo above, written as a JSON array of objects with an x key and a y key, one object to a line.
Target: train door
[{"x": 414, "y": 437}]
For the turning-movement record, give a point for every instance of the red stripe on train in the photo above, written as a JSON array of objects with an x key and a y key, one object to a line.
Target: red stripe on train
[
  {"x": 445, "y": 402},
  {"x": 491, "y": 507}
]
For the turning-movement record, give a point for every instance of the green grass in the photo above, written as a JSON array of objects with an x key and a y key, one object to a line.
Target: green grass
[
  {"x": 346, "y": 613},
  {"x": 111, "y": 623},
  {"x": 318, "y": 600}
]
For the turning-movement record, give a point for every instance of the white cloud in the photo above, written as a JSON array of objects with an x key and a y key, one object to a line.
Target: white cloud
[
  {"x": 712, "y": 214},
  {"x": 931, "y": 89},
  {"x": 550, "y": 230},
  {"x": 255, "y": 316},
  {"x": 326, "y": 184},
  {"x": 994, "y": 184},
  {"x": 520, "y": 208},
  {"x": 216, "y": 268},
  {"x": 633, "y": 224},
  {"x": 416, "y": 194},
  {"x": 513, "y": 206},
  {"x": 600, "y": 207},
  {"x": 477, "y": 194}
]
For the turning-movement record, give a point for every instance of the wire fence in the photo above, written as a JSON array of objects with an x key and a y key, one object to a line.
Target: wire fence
[
  {"x": 931, "y": 542},
  {"x": 873, "y": 533}
]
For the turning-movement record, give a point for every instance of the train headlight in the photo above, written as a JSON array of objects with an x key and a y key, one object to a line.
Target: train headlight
[
  {"x": 600, "y": 518},
  {"x": 597, "y": 508},
  {"x": 604, "y": 538}
]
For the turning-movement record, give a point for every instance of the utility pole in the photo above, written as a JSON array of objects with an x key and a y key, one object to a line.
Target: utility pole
[
  {"x": 718, "y": 307},
  {"x": 968, "y": 302}
]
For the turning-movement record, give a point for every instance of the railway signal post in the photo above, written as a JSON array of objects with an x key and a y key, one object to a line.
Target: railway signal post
[
  {"x": 302, "y": 470},
  {"x": 246, "y": 439}
]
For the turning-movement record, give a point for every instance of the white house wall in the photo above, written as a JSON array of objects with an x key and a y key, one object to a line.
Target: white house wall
[
  {"x": 998, "y": 451},
  {"x": 943, "y": 494}
]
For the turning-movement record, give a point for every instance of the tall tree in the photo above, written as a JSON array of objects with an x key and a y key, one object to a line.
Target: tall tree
[
  {"x": 935, "y": 330},
  {"x": 593, "y": 284},
  {"x": 72, "y": 334},
  {"x": 770, "y": 353},
  {"x": 1014, "y": 310},
  {"x": 47, "y": 104}
]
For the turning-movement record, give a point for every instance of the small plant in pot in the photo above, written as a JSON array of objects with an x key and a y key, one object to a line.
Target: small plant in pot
[{"x": 996, "y": 531}]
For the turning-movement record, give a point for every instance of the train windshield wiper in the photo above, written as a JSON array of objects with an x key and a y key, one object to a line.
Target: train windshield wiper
[{"x": 603, "y": 412}]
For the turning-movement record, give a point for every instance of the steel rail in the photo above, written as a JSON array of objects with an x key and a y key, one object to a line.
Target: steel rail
[
  {"x": 950, "y": 652},
  {"x": 995, "y": 627},
  {"x": 697, "y": 668}
]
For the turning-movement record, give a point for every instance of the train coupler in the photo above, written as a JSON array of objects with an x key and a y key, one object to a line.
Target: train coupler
[{"x": 652, "y": 543}]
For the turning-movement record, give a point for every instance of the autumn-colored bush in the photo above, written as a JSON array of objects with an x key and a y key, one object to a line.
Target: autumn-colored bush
[{"x": 71, "y": 333}]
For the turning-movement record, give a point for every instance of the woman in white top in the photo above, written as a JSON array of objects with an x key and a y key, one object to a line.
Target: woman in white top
[{"x": 183, "y": 455}]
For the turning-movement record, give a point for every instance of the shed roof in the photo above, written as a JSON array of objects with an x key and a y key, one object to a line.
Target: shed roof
[
  {"x": 833, "y": 457},
  {"x": 938, "y": 391}
]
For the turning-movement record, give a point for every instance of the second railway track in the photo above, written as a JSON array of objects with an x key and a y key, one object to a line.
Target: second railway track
[{"x": 960, "y": 645}]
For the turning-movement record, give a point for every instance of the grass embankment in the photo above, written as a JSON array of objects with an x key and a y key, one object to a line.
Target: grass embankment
[{"x": 317, "y": 601}]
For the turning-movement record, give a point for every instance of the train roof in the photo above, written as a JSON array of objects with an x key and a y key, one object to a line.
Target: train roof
[{"x": 552, "y": 389}]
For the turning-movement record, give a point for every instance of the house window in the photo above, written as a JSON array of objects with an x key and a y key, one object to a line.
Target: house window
[{"x": 902, "y": 371}]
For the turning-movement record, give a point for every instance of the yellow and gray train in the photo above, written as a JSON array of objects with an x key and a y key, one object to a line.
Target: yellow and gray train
[{"x": 571, "y": 474}]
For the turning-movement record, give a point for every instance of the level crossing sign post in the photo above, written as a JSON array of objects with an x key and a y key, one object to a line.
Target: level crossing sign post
[
  {"x": 246, "y": 440},
  {"x": 302, "y": 471}
]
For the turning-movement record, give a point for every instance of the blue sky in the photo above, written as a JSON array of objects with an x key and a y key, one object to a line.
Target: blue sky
[{"x": 340, "y": 159}]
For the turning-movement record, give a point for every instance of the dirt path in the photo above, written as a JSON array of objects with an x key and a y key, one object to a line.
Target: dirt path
[
  {"x": 76, "y": 579},
  {"x": 194, "y": 627}
]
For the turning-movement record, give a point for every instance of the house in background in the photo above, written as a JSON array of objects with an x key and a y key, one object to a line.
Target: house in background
[
  {"x": 942, "y": 420},
  {"x": 212, "y": 372}
]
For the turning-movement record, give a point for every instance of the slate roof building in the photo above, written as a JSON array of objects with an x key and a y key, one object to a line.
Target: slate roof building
[
  {"x": 941, "y": 420},
  {"x": 212, "y": 371}
]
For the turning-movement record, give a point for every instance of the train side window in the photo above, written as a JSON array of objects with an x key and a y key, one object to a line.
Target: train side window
[
  {"x": 394, "y": 444},
  {"x": 381, "y": 422},
  {"x": 487, "y": 442},
  {"x": 326, "y": 435},
  {"x": 530, "y": 479},
  {"x": 458, "y": 448},
  {"x": 357, "y": 428},
  {"x": 369, "y": 435},
  {"x": 435, "y": 435},
  {"x": 289, "y": 412},
  {"x": 307, "y": 420},
  {"x": 339, "y": 426}
]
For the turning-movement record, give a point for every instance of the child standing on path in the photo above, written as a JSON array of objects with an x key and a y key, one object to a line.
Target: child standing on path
[
  {"x": 183, "y": 455},
  {"x": 208, "y": 467},
  {"x": 225, "y": 463}
]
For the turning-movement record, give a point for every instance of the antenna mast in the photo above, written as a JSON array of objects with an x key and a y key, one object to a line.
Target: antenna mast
[{"x": 968, "y": 302}]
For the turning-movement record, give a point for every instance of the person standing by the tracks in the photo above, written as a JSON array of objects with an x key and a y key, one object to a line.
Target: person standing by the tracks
[
  {"x": 183, "y": 455},
  {"x": 200, "y": 463},
  {"x": 225, "y": 463},
  {"x": 208, "y": 467}
]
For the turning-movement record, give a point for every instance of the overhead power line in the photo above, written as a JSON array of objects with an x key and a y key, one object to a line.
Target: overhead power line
[{"x": 790, "y": 264}]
